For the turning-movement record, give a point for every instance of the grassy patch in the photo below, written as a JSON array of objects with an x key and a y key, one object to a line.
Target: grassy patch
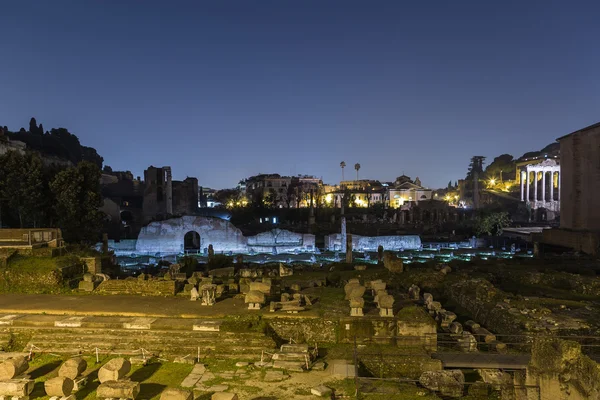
[{"x": 40, "y": 264}]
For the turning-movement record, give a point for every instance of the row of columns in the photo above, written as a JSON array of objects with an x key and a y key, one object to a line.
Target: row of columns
[{"x": 526, "y": 183}]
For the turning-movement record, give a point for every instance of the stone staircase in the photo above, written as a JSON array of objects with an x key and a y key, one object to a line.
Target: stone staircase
[{"x": 128, "y": 338}]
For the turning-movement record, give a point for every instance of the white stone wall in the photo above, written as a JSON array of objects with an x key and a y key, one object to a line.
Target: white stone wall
[
  {"x": 167, "y": 237},
  {"x": 371, "y": 243}
]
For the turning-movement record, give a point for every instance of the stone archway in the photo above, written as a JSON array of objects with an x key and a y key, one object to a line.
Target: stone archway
[{"x": 191, "y": 241}]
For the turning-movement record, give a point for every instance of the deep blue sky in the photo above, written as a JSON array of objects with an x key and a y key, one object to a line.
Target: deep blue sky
[{"x": 222, "y": 90}]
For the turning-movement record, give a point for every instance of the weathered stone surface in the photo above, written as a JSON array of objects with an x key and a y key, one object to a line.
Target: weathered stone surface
[
  {"x": 194, "y": 295},
  {"x": 275, "y": 376},
  {"x": 16, "y": 387},
  {"x": 446, "y": 318},
  {"x": 224, "y": 396},
  {"x": 467, "y": 342},
  {"x": 87, "y": 286},
  {"x": 13, "y": 367},
  {"x": 455, "y": 328},
  {"x": 72, "y": 368},
  {"x": 357, "y": 302},
  {"x": 414, "y": 292},
  {"x": 448, "y": 382},
  {"x": 285, "y": 271},
  {"x": 483, "y": 334},
  {"x": 60, "y": 386},
  {"x": 114, "y": 370},
  {"x": 434, "y": 306},
  {"x": 378, "y": 285},
  {"x": 176, "y": 394},
  {"x": 498, "y": 347},
  {"x": 392, "y": 263},
  {"x": 427, "y": 298},
  {"x": 222, "y": 272},
  {"x": 386, "y": 301},
  {"x": 87, "y": 277},
  {"x": 263, "y": 287},
  {"x": 372, "y": 243},
  {"x": 118, "y": 390},
  {"x": 255, "y": 296},
  {"x": 445, "y": 270},
  {"x": 354, "y": 291},
  {"x": 360, "y": 267},
  {"x": 321, "y": 391},
  {"x": 470, "y": 325}
]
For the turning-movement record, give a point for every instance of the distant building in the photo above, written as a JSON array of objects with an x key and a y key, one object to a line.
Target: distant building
[
  {"x": 206, "y": 198},
  {"x": 405, "y": 191},
  {"x": 285, "y": 191},
  {"x": 538, "y": 174},
  {"x": 158, "y": 192}
]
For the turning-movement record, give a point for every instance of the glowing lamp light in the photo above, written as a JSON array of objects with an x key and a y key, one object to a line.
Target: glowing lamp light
[{"x": 492, "y": 181}]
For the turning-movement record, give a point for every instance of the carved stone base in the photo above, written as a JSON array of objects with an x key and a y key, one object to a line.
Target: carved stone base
[{"x": 356, "y": 312}]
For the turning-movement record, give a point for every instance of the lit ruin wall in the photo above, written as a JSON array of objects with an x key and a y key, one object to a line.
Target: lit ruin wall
[
  {"x": 371, "y": 243},
  {"x": 167, "y": 237}
]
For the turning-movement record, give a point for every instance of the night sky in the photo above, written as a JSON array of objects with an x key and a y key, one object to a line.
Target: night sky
[{"x": 222, "y": 90}]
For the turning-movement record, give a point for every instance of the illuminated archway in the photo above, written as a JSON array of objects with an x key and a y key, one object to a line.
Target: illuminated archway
[{"x": 191, "y": 241}]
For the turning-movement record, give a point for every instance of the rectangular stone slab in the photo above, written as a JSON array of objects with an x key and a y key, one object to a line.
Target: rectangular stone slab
[
  {"x": 207, "y": 326},
  {"x": 139, "y": 323},
  {"x": 8, "y": 319},
  {"x": 70, "y": 322}
]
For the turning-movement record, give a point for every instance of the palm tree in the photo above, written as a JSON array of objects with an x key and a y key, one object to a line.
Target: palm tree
[
  {"x": 357, "y": 167},
  {"x": 343, "y": 165}
]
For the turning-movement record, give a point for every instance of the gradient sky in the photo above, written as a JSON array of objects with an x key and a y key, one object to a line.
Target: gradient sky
[{"x": 222, "y": 90}]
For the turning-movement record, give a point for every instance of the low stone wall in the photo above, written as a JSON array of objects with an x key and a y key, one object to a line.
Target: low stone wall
[
  {"x": 587, "y": 242},
  {"x": 309, "y": 330},
  {"x": 32, "y": 281},
  {"x": 333, "y": 242},
  {"x": 390, "y": 365},
  {"x": 139, "y": 287}
]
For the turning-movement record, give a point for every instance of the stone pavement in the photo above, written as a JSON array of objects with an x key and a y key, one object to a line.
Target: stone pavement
[{"x": 127, "y": 306}]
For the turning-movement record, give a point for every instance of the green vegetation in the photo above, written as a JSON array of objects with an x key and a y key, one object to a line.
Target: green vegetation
[
  {"x": 415, "y": 314},
  {"x": 40, "y": 265}
]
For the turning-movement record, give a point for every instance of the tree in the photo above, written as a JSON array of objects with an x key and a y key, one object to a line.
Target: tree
[
  {"x": 77, "y": 199},
  {"x": 450, "y": 185},
  {"x": 503, "y": 165},
  {"x": 342, "y": 166},
  {"x": 21, "y": 187},
  {"x": 357, "y": 167},
  {"x": 492, "y": 224}
]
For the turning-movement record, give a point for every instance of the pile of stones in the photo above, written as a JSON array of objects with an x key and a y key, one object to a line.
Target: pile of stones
[
  {"x": 113, "y": 384},
  {"x": 13, "y": 381}
]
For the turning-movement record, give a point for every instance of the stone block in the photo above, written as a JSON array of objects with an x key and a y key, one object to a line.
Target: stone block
[
  {"x": 321, "y": 391},
  {"x": 114, "y": 370},
  {"x": 447, "y": 382},
  {"x": 224, "y": 396},
  {"x": 13, "y": 367},
  {"x": 72, "y": 368},
  {"x": 16, "y": 387},
  {"x": 222, "y": 272},
  {"x": 60, "y": 386},
  {"x": 87, "y": 286},
  {"x": 392, "y": 263},
  {"x": 255, "y": 296},
  {"x": 427, "y": 298},
  {"x": 176, "y": 394},
  {"x": 455, "y": 328},
  {"x": 118, "y": 390}
]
